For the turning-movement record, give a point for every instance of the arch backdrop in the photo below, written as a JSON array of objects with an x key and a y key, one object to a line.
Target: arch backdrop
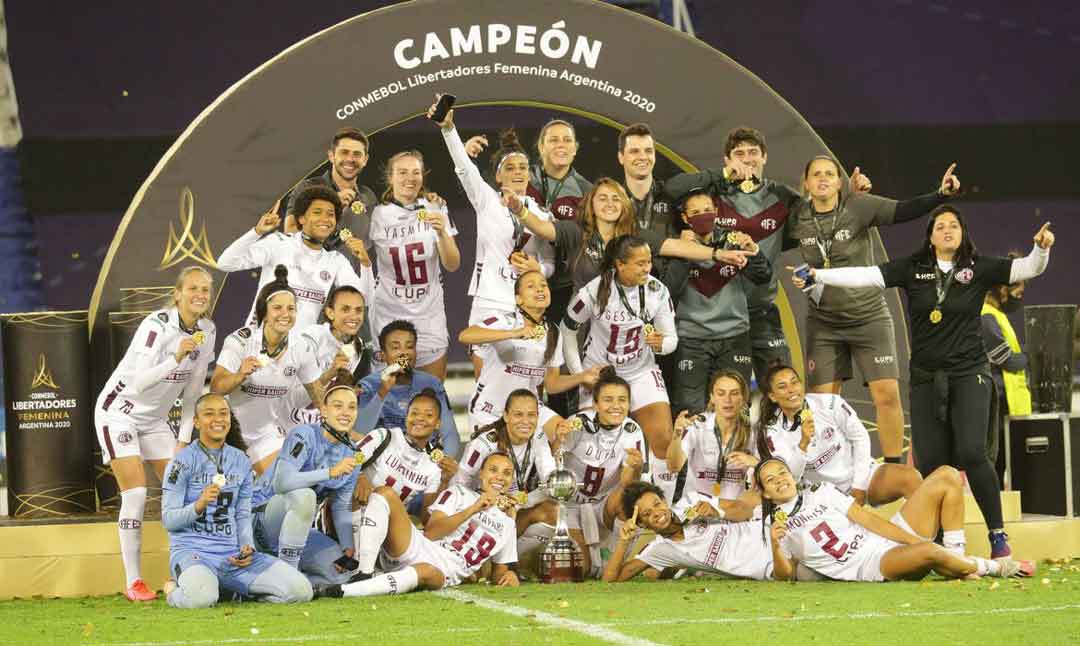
[{"x": 381, "y": 68}]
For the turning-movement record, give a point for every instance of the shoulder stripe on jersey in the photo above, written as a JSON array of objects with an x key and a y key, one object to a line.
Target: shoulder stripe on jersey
[
  {"x": 444, "y": 497},
  {"x": 367, "y": 438},
  {"x": 150, "y": 338},
  {"x": 578, "y": 306},
  {"x": 490, "y": 320},
  {"x": 472, "y": 458}
]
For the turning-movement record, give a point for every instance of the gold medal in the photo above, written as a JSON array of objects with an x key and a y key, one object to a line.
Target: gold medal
[
  {"x": 264, "y": 360},
  {"x": 403, "y": 362},
  {"x": 345, "y": 234},
  {"x": 349, "y": 350},
  {"x": 780, "y": 516},
  {"x": 576, "y": 423},
  {"x": 747, "y": 186},
  {"x": 422, "y": 215},
  {"x": 732, "y": 238},
  {"x": 717, "y": 488},
  {"x": 827, "y": 264},
  {"x": 437, "y": 455},
  {"x": 220, "y": 479},
  {"x": 649, "y": 329},
  {"x": 727, "y": 172},
  {"x": 935, "y": 316},
  {"x": 538, "y": 333},
  {"x": 805, "y": 416},
  {"x": 359, "y": 457},
  {"x": 521, "y": 498},
  {"x": 690, "y": 514},
  {"x": 198, "y": 337},
  {"x": 357, "y": 207}
]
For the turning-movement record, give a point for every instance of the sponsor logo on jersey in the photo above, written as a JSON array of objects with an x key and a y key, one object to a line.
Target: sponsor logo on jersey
[
  {"x": 919, "y": 276},
  {"x": 769, "y": 224},
  {"x": 777, "y": 343},
  {"x": 741, "y": 358},
  {"x": 243, "y": 333},
  {"x": 965, "y": 275},
  {"x": 174, "y": 474},
  {"x": 885, "y": 359},
  {"x": 824, "y": 458},
  {"x": 686, "y": 365},
  {"x": 842, "y": 235}
]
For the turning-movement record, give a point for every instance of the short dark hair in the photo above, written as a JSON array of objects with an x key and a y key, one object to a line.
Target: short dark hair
[
  {"x": 316, "y": 192},
  {"x": 351, "y": 133},
  {"x": 633, "y": 493},
  {"x": 634, "y": 130},
  {"x": 396, "y": 326},
  {"x": 744, "y": 135},
  {"x": 428, "y": 393}
]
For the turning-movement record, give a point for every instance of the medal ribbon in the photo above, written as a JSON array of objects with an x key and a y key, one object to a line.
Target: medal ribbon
[
  {"x": 210, "y": 456},
  {"x": 281, "y": 346},
  {"x": 942, "y": 289},
  {"x": 521, "y": 468},
  {"x": 824, "y": 243},
  {"x": 641, "y": 301},
  {"x": 643, "y": 210},
  {"x": 724, "y": 450}
]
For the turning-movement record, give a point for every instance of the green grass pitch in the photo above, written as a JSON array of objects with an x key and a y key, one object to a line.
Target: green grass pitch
[{"x": 1041, "y": 610}]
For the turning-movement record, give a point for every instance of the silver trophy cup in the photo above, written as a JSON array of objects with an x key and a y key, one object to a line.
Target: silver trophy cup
[{"x": 561, "y": 561}]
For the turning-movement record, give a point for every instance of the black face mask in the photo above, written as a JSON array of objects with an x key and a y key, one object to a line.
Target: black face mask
[{"x": 1012, "y": 305}]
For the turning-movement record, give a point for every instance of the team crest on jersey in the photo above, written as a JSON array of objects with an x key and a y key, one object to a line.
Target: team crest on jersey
[
  {"x": 163, "y": 317},
  {"x": 244, "y": 333},
  {"x": 686, "y": 365},
  {"x": 297, "y": 449},
  {"x": 174, "y": 474},
  {"x": 965, "y": 275},
  {"x": 631, "y": 426},
  {"x": 324, "y": 275},
  {"x": 654, "y": 285},
  {"x": 124, "y": 437}
]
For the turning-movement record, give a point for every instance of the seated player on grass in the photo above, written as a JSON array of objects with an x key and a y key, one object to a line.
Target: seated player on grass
[
  {"x": 465, "y": 530},
  {"x": 828, "y": 532},
  {"x": 206, "y": 508},
  {"x": 685, "y": 544},
  {"x": 317, "y": 463}
]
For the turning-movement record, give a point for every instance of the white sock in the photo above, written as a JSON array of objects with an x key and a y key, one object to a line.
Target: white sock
[
  {"x": 955, "y": 541},
  {"x": 370, "y": 524},
  {"x": 986, "y": 567},
  {"x": 300, "y": 512},
  {"x": 132, "y": 504},
  {"x": 398, "y": 582}
]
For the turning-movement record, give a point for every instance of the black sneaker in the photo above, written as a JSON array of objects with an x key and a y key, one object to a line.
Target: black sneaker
[
  {"x": 361, "y": 576},
  {"x": 332, "y": 591}
]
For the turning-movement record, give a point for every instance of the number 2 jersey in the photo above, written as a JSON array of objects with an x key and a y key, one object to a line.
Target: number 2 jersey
[
  {"x": 616, "y": 334},
  {"x": 391, "y": 460},
  {"x": 823, "y": 538},
  {"x": 410, "y": 282},
  {"x": 595, "y": 455},
  {"x": 145, "y": 385},
  {"x": 225, "y": 525}
]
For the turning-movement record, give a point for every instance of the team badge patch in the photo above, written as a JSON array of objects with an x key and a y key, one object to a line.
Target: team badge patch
[
  {"x": 244, "y": 333},
  {"x": 124, "y": 437},
  {"x": 686, "y": 365},
  {"x": 965, "y": 275},
  {"x": 297, "y": 449},
  {"x": 174, "y": 474},
  {"x": 324, "y": 275}
]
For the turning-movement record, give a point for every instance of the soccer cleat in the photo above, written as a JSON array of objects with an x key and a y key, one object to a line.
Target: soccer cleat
[
  {"x": 999, "y": 545},
  {"x": 361, "y": 576},
  {"x": 333, "y": 591},
  {"x": 139, "y": 592},
  {"x": 1017, "y": 568}
]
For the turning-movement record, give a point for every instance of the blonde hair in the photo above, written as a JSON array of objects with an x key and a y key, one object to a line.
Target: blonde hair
[
  {"x": 388, "y": 172},
  {"x": 625, "y": 225},
  {"x": 184, "y": 273}
]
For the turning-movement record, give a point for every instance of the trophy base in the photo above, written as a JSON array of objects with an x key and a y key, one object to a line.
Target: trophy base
[{"x": 562, "y": 562}]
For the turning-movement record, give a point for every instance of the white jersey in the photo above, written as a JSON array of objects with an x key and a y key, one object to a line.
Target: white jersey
[
  {"x": 401, "y": 466},
  {"x": 326, "y": 346},
  {"x": 511, "y": 364},
  {"x": 498, "y": 234},
  {"x": 487, "y": 534},
  {"x": 312, "y": 272},
  {"x": 838, "y": 453},
  {"x": 146, "y": 384},
  {"x": 729, "y": 549},
  {"x": 410, "y": 282},
  {"x": 261, "y": 402},
  {"x": 822, "y": 537},
  {"x": 595, "y": 455},
  {"x": 616, "y": 333},
  {"x": 533, "y": 462},
  {"x": 701, "y": 444}
]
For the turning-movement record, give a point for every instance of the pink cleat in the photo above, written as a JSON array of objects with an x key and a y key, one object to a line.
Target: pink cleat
[{"x": 139, "y": 592}]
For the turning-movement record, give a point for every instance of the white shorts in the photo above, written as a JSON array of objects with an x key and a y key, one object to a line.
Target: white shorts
[
  {"x": 871, "y": 552},
  {"x": 864, "y": 485},
  {"x": 119, "y": 438},
  {"x": 662, "y": 477},
  {"x": 423, "y": 550},
  {"x": 481, "y": 418},
  {"x": 484, "y": 309},
  {"x": 646, "y": 388},
  {"x": 266, "y": 441}
]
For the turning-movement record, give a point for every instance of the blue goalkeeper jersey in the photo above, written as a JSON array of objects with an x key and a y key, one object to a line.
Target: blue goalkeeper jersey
[
  {"x": 225, "y": 525},
  {"x": 304, "y": 461},
  {"x": 391, "y": 412}
]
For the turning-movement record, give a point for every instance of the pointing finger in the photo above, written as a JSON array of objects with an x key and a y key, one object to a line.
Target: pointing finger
[{"x": 952, "y": 167}]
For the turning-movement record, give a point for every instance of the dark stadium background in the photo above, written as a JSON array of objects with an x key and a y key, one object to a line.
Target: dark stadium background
[{"x": 898, "y": 87}]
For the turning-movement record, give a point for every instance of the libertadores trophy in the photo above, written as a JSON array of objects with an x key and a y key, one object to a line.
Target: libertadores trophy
[{"x": 561, "y": 561}]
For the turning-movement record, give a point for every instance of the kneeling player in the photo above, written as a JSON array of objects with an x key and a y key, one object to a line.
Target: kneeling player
[
  {"x": 206, "y": 508},
  {"x": 729, "y": 549},
  {"x": 466, "y": 529},
  {"x": 828, "y": 532},
  {"x": 316, "y": 463}
]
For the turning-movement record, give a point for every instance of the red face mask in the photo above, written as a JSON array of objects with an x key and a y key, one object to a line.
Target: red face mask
[{"x": 702, "y": 223}]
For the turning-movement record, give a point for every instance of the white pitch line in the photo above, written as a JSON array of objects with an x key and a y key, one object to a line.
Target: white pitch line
[
  {"x": 530, "y": 614},
  {"x": 587, "y": 629}
]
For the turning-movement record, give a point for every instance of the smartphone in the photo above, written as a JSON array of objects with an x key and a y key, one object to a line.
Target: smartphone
[
  {"x": 803, "y": 272},
  {"x": 347, "y": 563},
  {"x": 446, "y": 102}
]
